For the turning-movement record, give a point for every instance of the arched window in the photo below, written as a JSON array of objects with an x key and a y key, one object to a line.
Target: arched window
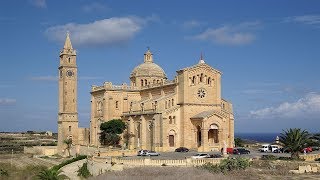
[
  {"x": 174, "y": 119},
  {"x": 209, "y": 81},
  {"x": 193, "y": 81},
  {"x": 170, "y": 120},
  {"x": 69, "y": 60},
  {"x": 172, "y": 102},
  {"x": 141, "y": 82},
  {"x": 69, "y": 128},
  {"x": 169, "y": 104},
  {"x": 166, "y": 105},
  {"x": 145, "y": 82},
  {"x": 117, "y": 104},
  {"x": 201, "y": 77}
]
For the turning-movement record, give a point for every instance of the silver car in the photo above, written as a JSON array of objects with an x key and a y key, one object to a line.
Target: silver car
[{"x": 152, "y": 153}]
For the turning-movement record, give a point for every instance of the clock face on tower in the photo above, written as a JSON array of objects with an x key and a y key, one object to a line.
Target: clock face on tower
[
  {"x": 201, "y": 93},
  {"x": 69, "y": 73}
]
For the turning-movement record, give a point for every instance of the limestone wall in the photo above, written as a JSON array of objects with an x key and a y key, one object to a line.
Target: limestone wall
[{"x": 41, "y": 150}]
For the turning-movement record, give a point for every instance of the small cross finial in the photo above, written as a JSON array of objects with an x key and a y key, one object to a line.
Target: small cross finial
[{"x": 201, "y": 59}]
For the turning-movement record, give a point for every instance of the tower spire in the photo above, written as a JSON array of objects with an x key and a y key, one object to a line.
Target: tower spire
[
  {"x": 67, "y": 48},
  {"x": 67, "y": 43}
]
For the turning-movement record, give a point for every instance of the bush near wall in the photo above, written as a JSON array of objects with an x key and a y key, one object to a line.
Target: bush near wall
[
  {"x": 57, "y": 167},
  {"x": 226, "y": 165}
]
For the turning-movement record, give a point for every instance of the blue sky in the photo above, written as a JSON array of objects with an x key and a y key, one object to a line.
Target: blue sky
[{"x": 268, "y": 52}]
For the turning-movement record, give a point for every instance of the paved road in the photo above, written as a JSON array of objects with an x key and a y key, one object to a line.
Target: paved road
[
  {"x": 183, "y": 155},
  {"x": 70, "y": 170}
]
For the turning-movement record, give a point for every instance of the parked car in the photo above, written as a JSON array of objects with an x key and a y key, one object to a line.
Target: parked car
[
  {"x": 229, "y": 150},
  {"x": 200, "y": 156},
  {"x": 182, "y": 149},
  {"x": 215, "y": 156},
  {"x": 279, "y": 150},
  {"x": 240, "y": 151},
  {"x": 264, "y": 148},
  {"x": 307, "y": 149},
  {"x": 273, "y": 147},
  {"x": 151, "y": 153},
  {"x": 315, "y": 148},
  {"x": 142, "y": 152}
]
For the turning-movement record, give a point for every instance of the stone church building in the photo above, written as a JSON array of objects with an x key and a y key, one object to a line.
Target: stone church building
[{"x": 160, "y": 114}]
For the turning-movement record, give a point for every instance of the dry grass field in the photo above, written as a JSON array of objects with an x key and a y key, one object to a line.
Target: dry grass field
[
  {"x": 258, "y": 170},
  {"x": 23, "y": 166}
]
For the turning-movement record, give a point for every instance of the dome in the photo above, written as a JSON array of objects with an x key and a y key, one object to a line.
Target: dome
[{"x": 148, "y": 68}]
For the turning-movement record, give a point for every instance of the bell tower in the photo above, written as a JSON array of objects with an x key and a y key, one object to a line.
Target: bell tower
[{"x": 68, "y": 113}]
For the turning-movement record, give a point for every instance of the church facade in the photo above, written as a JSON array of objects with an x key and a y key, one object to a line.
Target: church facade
[{"x": 160, "y": 114}]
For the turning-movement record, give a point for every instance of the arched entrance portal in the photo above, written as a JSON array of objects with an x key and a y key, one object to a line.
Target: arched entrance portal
[
  {"x": 213, "y": 135},
  {"x": 199, "y": 136}
]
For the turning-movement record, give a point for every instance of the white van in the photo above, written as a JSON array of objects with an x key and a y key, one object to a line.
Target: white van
[
  {"x": 274, "y": 147},
  {"x": 264, "y": 148}
]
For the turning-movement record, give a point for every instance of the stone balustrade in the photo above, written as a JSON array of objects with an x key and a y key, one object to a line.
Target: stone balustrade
[{"x": 188, "y": 162}]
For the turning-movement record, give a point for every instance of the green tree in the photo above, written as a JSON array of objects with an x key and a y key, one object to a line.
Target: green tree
[
  {"x": 110, "y": 131},
  {"x": 68, "y": 142},
  {"x": 49, "y": 174},
  {"x": 294, "y": 140},
  {"x": 238, "y": 142}
]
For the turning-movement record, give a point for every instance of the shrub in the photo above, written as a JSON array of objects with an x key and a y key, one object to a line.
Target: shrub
[
  {"x": 268, "y": 157},
  {"x": 83, "y": 171},
  {"x": 231, "y": 164},
  {"x": 290, "y": 159},
  {"x": 226, "y": 165},
  {"x": 213, "y": 168},
  {"x": 57, "y": 167}
]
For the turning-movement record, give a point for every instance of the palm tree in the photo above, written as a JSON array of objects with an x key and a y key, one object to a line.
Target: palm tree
[
  {"x": 49, "y": 174},
  {"x": 294, "y": 140},
  {"x": 68, "y": 142}
]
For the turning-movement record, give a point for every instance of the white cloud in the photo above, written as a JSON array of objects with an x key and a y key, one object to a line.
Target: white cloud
[
  {"x": 192, "y": 24},
  {"x": 39, "y": 3},
  {"x": 94, "y": 7},
  {"x": 7, "y": 101},
  {"x": 306, "y": 107},
  {"x": 104, "y": 32},
  {"x": 229, "y": 35},
  {"x": 306, "y": 19}
]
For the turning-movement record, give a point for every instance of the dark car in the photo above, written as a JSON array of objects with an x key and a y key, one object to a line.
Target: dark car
[
  {"x": 240, "y": 151},
  {"x": 182, "y": 149},
  {"x": 216, "y": 156}
]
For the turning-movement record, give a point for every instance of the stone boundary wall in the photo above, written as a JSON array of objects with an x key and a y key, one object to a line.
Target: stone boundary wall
[
  {"x": 157, "y": 162},
  {"x": 310, "y": 157},
  {"x": 117, "y": 153},
  {"x": 40, "y": 150}
]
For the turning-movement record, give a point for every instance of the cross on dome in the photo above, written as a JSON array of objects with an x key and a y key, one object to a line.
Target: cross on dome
[{"x": 148, "y": 56}]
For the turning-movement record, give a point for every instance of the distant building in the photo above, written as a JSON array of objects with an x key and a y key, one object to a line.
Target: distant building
[{"x": 161, "y": 114}]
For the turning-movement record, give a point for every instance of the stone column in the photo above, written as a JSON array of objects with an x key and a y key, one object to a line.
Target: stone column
[
  {"x": 131, "y": 131},
  {"x": 204, "y": 138},
  {"x": 143, "y": 140}
]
